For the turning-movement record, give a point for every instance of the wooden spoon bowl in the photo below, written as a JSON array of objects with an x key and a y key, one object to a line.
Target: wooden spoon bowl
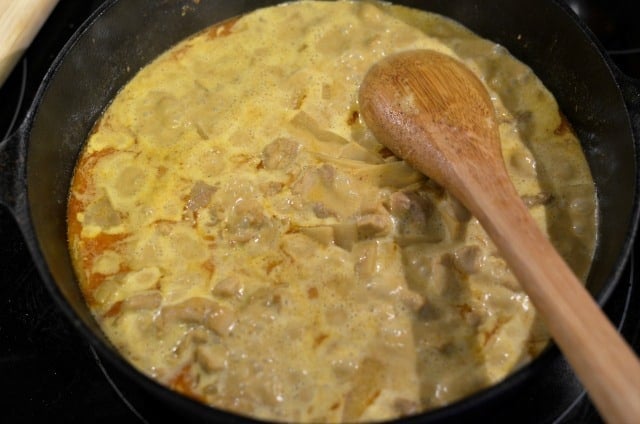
[{"x": 433, "y": 112}]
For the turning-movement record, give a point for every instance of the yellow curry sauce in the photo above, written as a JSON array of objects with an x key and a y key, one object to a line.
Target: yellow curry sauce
[{"x": 241, "y": 237}]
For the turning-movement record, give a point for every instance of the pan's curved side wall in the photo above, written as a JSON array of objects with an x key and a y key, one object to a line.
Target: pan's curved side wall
[{"x": 127, "y": 34}]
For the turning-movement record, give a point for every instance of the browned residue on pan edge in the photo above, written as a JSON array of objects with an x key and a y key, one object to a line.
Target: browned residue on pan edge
[{"x": 223, "y": 28}]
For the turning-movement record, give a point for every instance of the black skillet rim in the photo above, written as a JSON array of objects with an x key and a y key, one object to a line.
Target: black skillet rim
[{"x": 465, "y": 405}]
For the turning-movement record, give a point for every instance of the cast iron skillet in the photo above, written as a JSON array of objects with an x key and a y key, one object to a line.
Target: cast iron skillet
[{"x": 36, "y": 163}]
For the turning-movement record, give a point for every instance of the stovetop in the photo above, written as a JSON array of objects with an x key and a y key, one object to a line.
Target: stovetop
[{"x": 50, "y": 373}]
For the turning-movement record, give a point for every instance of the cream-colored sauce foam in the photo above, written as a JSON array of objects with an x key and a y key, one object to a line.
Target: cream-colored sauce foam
[{"x": 242, "y": 237}]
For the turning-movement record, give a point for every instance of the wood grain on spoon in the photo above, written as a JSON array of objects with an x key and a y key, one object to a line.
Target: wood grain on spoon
[
  {"x": 20, "y": 21},
  {"x": 434, "y": 113}
]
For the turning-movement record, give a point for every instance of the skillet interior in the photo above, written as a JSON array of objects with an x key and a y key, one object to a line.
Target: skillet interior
[{"x": 127, "y": 35}]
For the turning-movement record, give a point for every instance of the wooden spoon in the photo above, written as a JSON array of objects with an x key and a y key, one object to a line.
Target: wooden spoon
[{"x": 433, "y": 112}]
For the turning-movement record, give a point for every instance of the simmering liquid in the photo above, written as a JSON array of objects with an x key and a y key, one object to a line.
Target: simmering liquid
[{"x": 242, "y": 237}]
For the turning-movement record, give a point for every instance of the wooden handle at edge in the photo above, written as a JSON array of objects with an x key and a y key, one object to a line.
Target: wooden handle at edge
[
  {"x": 603, "y": 361},
  {"x": 20, "y": 21}
]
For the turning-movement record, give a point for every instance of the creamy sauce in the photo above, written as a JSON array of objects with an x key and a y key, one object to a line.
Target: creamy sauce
[{"x": 242, "y": 238}]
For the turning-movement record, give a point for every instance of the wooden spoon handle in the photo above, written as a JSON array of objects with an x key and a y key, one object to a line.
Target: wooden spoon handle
[
  {"x": 20, "y": 21},
  {"x": 602, "y": 360},
  {"x": 436, "y": 114}
]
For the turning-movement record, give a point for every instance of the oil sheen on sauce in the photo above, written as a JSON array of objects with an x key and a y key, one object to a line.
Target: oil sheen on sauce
[{"x": 242, "y": 237}]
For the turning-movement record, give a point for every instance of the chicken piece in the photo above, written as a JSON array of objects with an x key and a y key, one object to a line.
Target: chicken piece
[
  {"x": 373, "y": 225},
  {"x": 280, "y": 153},
  {"x": 200, "y": 311}
]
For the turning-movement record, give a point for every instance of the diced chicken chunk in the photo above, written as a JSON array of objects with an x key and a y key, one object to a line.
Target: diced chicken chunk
[{"x": 280, "y": 153}]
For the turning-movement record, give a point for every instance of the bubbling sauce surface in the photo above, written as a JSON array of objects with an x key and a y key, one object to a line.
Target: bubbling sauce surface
[{"x": 242, "y": 238}]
